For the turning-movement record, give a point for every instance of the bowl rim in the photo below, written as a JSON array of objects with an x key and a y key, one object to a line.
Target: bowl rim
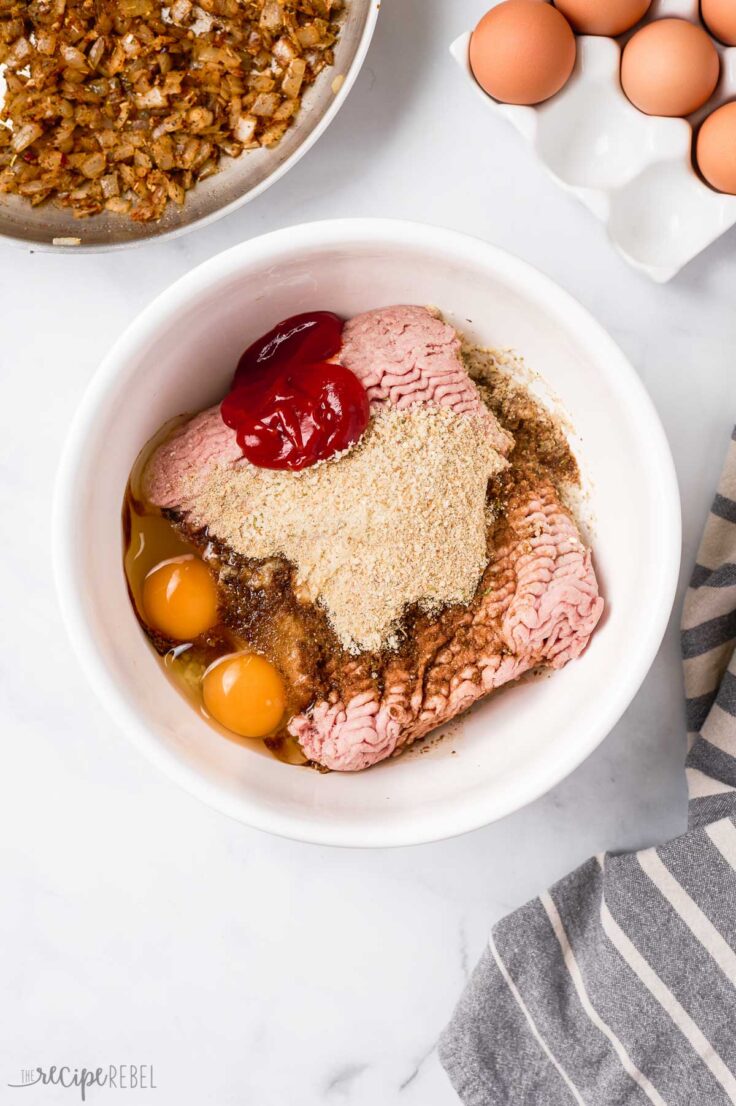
[
  {"x": 44, "y": 245},
  {"x": 444, "y": 820}
]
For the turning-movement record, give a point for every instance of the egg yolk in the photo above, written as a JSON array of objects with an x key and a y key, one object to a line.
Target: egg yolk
[
  {"x": 245, "y": 694},
  {"x": 180, "y": 598}
]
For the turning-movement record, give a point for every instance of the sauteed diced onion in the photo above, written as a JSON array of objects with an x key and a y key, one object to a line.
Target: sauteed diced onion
[{"x": 123, "y": 105}]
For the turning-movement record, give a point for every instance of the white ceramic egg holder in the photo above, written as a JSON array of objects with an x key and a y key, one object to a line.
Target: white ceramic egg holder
[{"x": 633, "y": 171}]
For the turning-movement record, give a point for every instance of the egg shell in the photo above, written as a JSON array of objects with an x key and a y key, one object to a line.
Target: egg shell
[
  {"x": 715, "y": 149},
  {"x": 720, "y": 18},
  {"x": 522, "y": 52},
  {"x": 603, "y": 17},
  {"x": 670, "y": 67}
]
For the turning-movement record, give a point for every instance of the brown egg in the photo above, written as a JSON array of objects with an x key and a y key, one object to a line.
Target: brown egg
[
  {"x": 522, "y": 52},
  {"x": 603, "y": 17},
  {"x": 720, "y": 18},
  {"x": 670, "y": 67},
  {"x": 715, "y": 149}
]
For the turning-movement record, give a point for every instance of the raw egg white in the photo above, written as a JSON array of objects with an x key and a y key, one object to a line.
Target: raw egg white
[
  {"x": 715, "y": 149},
  {"x": 180, "y": 598},
  {"x": 670, "y": 67},
  {"x": 720, "y": 18},
  {"x": 245, "y": 694},
  {"x": 603, "y": 17},
  {"x": 522, "y": 52}
]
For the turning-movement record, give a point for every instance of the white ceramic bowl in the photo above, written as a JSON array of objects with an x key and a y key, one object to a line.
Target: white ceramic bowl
[{"x": 179, "y": 356}]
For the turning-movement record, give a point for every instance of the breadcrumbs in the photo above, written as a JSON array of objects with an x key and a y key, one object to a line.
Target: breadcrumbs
[{"x": 398, "y": 520}]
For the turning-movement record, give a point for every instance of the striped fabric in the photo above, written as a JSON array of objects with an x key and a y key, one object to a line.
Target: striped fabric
[{"x": 618, "y": 986}]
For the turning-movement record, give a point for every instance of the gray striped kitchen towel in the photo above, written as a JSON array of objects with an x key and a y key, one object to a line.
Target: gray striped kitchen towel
[{"x": 617, "y": 987}]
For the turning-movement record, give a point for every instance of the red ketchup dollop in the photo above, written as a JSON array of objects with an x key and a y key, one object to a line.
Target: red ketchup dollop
[{"x": 289, "y": 406}]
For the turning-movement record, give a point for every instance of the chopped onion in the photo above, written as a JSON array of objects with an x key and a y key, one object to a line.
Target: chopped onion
[{"x": 122, "y": 106}]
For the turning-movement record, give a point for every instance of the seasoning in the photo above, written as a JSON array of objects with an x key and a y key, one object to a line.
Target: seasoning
[
  {"x": 541, "y": 449},
  {"x": 398, "y": 520}
]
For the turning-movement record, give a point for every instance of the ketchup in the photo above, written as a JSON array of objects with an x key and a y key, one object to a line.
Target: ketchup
[{"x": 289, "y": 406}]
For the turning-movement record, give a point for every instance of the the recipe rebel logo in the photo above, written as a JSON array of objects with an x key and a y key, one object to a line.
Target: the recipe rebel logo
[{"x": 112, "y": 1077}]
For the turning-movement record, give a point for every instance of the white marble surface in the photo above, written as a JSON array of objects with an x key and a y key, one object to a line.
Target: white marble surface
[{"x": 136, "y": 924}]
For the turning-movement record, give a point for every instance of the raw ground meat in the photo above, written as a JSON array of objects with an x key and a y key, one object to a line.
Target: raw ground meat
[
  {"x": 537, "y": 604},
  {"x": 178, "y": 468},
  {"x": 405, "y": 355},
  {"x": 402, "y": 356}
]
